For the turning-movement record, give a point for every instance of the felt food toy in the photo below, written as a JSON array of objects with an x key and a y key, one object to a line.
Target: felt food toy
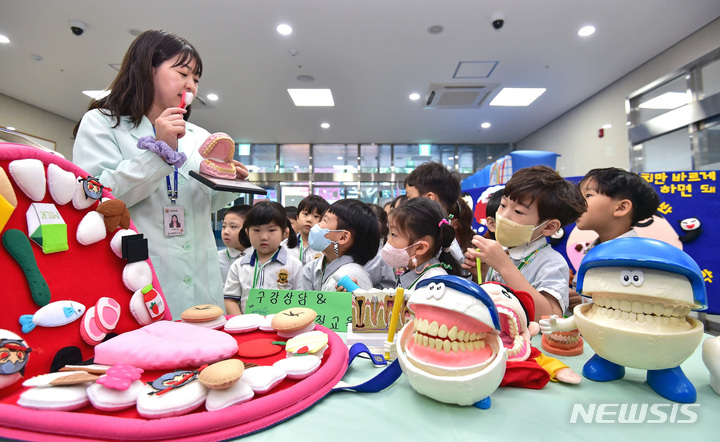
[
  {"x": 642, "y": 290},
  {"x": 8, "y": 201},
  {"x": 29, "y": 175},
  {"x": 100, "y": 320},
  {"x": 314, "y": 342},
  {"x": 218, "y": 150},
  {"x": 223, "y": 374},
  {"x": 204, "y": 315},
  {"x": 146, "y": 305},
  {"x": 14, "y": 353},
  {"x": 19, "y": 247},
  {"x": 173, "y": 344},
  {"x": 115, "y": 214},
  {"x": 293, "y": 321},
  {"x": 452, "y": 352},
  {"x": 61, "y": 184},
  {"x": 60, "y": 378},
  {"x": 47, "y": 228},
  {"x": 55, "y": 314}
]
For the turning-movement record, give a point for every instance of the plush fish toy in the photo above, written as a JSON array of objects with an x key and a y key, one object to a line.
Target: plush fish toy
[{"x": 54, "y": 314}]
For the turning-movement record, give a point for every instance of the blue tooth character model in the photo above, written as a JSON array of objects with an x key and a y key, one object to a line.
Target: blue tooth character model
[
  {"x": 452, "y": 352},
  {"x": 642, "y": 291}
]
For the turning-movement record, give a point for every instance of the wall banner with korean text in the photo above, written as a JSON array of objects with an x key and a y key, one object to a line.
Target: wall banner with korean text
[{"x": 334, "y": 309}]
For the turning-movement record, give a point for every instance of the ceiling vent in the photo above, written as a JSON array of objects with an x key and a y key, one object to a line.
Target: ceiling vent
[{"x": 458, "y": 96}]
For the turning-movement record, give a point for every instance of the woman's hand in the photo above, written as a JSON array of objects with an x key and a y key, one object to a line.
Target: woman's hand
[
  {"x": 170, "y": 126},
  {"x": 241, "y": 169}
]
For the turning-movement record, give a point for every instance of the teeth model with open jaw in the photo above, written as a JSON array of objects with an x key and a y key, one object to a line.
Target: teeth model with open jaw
[
  {"x": 642, "y": 291},
  {"x": 452, "y": 352},
  {"x": 218, "y": 150}
]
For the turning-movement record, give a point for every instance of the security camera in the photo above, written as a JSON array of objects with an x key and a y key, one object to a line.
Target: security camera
[
  {"x": 498, "y": 20},
  {"x": 77, "y": 27}
]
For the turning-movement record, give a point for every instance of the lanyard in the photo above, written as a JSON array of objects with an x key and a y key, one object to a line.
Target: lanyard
[
  {"x": 422, "y": 273},
  {"x": 527, "y": 260},
  {"x": 300, "y": 244},
  {"x": 258, "y": 271},
  {"x": 172, "y": 192}
]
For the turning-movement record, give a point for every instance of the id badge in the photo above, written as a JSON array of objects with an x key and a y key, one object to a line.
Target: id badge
[{"x": 174, "y": 220}]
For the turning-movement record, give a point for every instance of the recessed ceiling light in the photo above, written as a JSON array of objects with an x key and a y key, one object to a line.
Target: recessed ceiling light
[
  {"x": 517, "y": 96},
  {"x": 311, "y": 97},
  {"x": 96, "y": 94},
  {"x": 668, "y": 100},
  {"x": 607, "y": 126},
  {"x": 414, "y": 96},
  {"x": 327, "y": 126},
  {"x": 212, "y": 97},
  {"x": 305, "y": 78},
  {"x": 4, "y": 39},
  {"x": 284, "y": 29},
  {"x": 485, "y": 125},
  {"x": 586, "y": 31}
]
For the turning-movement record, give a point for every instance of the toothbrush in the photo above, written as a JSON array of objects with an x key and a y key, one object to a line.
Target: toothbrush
[{"x": 186, "y": 99}]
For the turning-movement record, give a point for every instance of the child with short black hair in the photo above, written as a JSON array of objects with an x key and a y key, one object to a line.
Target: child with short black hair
[
  {"x": 310, "y": 212},
  {"x": 292, "y": 215},
  {"x": 232, "y": 224},
  {"x": 536, "y": 202},
  {"x": 348, "y": 236},
  {"x": 419, "y": 242},
  {"x": 269, "y": 266},
  {"x": 381, "y": 275}
]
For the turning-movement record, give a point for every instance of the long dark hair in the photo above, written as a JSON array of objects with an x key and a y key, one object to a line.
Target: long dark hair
[
  {"x": 420, "y": 217},
  {"x": 266, "y": 212},
  {"x": 132, "y": 92}
]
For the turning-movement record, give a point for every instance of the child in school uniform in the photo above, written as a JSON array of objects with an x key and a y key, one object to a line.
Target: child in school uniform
[
  {"x": 233, "y": 220},
  {"x": 269, "y": 266},
  {"x": 536, "y": 202},
  {"x": 348, "y": 236},
  {"x": 419, "y": 242},
  {"x": 310, "y": 212}
]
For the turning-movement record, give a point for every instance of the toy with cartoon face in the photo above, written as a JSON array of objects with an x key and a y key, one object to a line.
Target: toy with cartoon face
[
  {"x": 452, "y": 352},
  {"x": 642, "y": 291},
  {"x": 14, "y": 353}
]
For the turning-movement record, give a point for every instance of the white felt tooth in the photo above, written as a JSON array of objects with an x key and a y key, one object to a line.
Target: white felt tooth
[
  {"x": 91, "y": 229},
  {"x": 137, "y": 275},
  {"x": 79, "y": 200},
  {"x": 61, "y": 184},
  {"x": 116, "y": 241},
  {"x": 29, "y": 175}
]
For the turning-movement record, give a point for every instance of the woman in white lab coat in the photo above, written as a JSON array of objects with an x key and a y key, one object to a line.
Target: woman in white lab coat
[{"x": 137, "y": 142}]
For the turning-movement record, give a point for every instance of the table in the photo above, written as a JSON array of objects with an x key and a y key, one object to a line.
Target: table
[{"x": 516, "y": 413}]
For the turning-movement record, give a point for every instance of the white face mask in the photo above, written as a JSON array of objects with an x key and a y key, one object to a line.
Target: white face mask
[{"x": 511, "y": 234}]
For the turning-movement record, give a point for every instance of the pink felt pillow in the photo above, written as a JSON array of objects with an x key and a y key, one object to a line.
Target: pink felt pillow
[{"x": 166, "y": 344}]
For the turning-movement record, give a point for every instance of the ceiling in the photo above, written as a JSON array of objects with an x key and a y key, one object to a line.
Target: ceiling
[{"x": 371, "y": 53}]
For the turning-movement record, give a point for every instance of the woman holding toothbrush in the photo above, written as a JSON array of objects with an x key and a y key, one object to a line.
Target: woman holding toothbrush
[{"x": 137, "y": 142}]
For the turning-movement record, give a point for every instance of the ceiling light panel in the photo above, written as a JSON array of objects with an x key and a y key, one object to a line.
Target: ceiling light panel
[
  {"x": 311, "y": 97},
  {"x": 513, "y": 96}
]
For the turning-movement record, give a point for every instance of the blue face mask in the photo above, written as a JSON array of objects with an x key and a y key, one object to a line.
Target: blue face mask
[{"x": 317, "y": 239}]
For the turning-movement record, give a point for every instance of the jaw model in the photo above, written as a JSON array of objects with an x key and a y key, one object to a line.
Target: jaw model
[
  {"x": 711, "y": 359},
  {"x": 218, "y": 150},
  {"x": 452, "y": 352},
  {"x": 513, "y": 321}
]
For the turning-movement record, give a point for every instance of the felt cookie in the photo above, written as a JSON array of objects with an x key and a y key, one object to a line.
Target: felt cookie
[
  {"x": 202, "y": 313},
  {"x": 55, "y": 314},
  {"x": 236, "y": 394},
  {"x": 215, "y": 324},
  {"x": 173, "y": 394},
  {"x": 80, "y": 200},
  {"x": 91, "y": 229},
  {"x": 299, "y": 367},
  {"x": 8, "y": 200},
  {"x": 116, "y": 241},
  {"x": 81, "y": 377},
  {"x": 222, "y": 374},
  {"x": 314, "y": 342},
  {"x": 61, "y": 184},
  {"x": 244, "y": 323},
  {"x": 293, "y": 321},
  {"x": 115, "y": 214},
  {"x": 120, "y": 376},
  {"x": 146, "y": 305},
  {"x": 96, "y": 369},
  {"x": 167, "y": 344},
  {"x": 137, "y": 275},
  {"x": 19, "y": 247},
  {"x": 29, "y": 175},
  {"x": 50, "y": 379},
  {"x": 110, "y": 399},
  {"x": 263, "y": 378},
  {"x": 65, "y": 398}
]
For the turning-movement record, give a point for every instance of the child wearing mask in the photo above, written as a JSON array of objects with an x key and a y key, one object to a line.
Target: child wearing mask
[
  {"x": 536, "y": 202},
  {"x": 419, "y": 242},
  {"x": 348, "y": 236}
]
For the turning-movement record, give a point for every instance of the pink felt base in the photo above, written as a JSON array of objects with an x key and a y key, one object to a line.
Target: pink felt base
[{"x": 238, "y": 420}]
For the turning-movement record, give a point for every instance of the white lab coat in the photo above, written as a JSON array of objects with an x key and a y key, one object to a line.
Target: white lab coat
[{"x": 187, "y": 266}]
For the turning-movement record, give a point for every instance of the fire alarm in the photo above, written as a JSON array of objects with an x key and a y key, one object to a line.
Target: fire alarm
[{"x": 601, "y": 132}]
